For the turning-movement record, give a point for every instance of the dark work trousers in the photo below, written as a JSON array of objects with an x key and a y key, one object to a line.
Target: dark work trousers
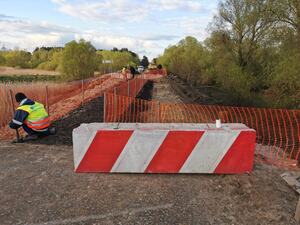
[{"x": 33, "y": 132}]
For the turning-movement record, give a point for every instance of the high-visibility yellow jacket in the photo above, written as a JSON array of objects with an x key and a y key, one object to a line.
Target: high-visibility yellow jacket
[{"x": 38, "y": 118}]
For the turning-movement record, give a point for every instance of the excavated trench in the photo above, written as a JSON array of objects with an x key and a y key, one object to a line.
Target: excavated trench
[{"x": 172, "y": 89}]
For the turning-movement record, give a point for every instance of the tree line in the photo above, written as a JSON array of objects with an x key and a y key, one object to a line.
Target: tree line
[
  {"x": 252, "y": 53},
  {"x": 76, "y": 60}
]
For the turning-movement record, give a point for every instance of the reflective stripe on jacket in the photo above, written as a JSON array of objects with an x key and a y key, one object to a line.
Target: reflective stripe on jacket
[{"x": 37, "y": 118}]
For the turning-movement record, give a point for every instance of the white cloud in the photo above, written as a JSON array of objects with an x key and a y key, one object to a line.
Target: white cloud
[
  {"x": 195, "y": 27},
  {"x": 160, "y": 37},
  {"x": 118, "y": 11},
  {"x": 58, "y": 1},
  {"x": 24, "y": 26},
  {"x": 30, "y": 41},
  {"x": 122, "y": 10},
  {"x": 135, "y": 44},
  {"x": 161, "y": 22},
  {"x": 103, "y": 11},
  {"x": 191, "y": 5},
  {"x": 28, "y": 35}
]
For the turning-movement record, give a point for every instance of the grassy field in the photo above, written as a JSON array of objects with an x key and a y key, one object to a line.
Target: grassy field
[
  {"x": 28, "y": 78},
  {"x": 9, "y": 71},
  {"x": 9, "y": 74}
]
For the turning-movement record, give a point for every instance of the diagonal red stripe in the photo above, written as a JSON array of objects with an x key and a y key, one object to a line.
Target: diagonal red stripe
[
  {"x": 240, "y": 156},
  {"x": 174, "y": 151},
  {"x": 104, "y": 151}
]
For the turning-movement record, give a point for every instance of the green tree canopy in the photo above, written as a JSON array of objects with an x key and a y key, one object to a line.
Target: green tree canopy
[
  {"x": 78, "y": 60},
  {"x": 2, "y": 59},
  {"x": 252, "y": 53},
  {"x": 17, "y": 58},
  {"x": 118, "y": 59}
]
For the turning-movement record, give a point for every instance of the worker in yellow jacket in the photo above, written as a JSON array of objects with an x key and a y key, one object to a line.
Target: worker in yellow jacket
[{"x": 32, "y": 117}]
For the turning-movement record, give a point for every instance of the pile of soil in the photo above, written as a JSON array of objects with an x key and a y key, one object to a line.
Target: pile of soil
[{"x": 90, "y": 112}]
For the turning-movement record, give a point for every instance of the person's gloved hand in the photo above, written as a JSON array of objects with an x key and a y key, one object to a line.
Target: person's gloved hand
[{"x": 12, "y": 125}]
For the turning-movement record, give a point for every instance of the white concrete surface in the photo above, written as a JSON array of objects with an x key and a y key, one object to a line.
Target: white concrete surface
[{"x": 147, "y": 138}]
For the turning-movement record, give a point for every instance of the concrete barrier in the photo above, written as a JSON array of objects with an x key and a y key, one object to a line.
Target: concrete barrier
[{"x": 163, "y": 148}]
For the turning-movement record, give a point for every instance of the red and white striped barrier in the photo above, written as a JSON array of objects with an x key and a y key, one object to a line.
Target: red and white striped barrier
[{"x": 163, "y": 148}]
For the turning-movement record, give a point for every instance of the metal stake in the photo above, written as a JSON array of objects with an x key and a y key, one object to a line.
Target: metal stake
[
  {"x": 128, "y": 88},
  {"x": 115, "y": 104},
  {"x": 135, "y": 92},
  {"x": 82, "y": 93},
  {"x": 13, "y": 112},
  {"x": 47, "y": 100},
  {"x": 101, "y": 84},
  {"x": 104, "y": 107},
  {"x": 158, "y": 110}
]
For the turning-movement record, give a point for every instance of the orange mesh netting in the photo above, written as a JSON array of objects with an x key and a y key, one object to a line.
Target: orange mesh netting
[
  {"x": 278, "y": 129},
  {"x": 60, "y": 98},
  {"x": 154, "y": 74}
]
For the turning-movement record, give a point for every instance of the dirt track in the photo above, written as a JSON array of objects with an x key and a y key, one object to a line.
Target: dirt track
[{"x": 38, "y": 186}]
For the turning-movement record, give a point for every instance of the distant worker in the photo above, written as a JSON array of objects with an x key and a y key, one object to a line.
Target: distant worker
[
  {"x": 124, "y": 70},
  {"x": 124, "y": 73},
  {"x": 132, "y": 71},
  {"x": 33, "y": 118}
]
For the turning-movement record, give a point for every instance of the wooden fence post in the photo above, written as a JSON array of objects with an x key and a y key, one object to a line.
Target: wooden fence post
[
  {"x": 104, "y": 107},
  {"x": 115, "y": 104},
  {"x": 82, "y": 93},
  {"x": 135, "y": 89},
  {"x": 128, "y": 88},
  {"x": 47, "y": 100},
  {"x": 158, "y": 112},
  {"x": 13, "y": 113}
]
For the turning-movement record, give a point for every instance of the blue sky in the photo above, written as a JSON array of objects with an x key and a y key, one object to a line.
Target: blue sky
[{"x": 144, "y": 26}]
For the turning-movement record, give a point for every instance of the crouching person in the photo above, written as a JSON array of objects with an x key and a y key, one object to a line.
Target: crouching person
[{"x": 32, "y": 117}]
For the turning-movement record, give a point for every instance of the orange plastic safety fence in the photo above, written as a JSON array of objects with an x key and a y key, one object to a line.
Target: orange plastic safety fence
[
  {"x": 278, "y": 130},
  {"x": 120, "y": 105},
  {"x": 154, "y": 74},
  {"x": 162, "y": 72},
  {"x": 129, "y": 88},
  {"x": 50, "y": 94}
]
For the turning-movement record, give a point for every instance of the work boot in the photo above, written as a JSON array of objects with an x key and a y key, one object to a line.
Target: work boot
[
  {"x": 52, "y": 131},
  {"x": 30, "y": 137},
  {"x": 17, "y": 141}
]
